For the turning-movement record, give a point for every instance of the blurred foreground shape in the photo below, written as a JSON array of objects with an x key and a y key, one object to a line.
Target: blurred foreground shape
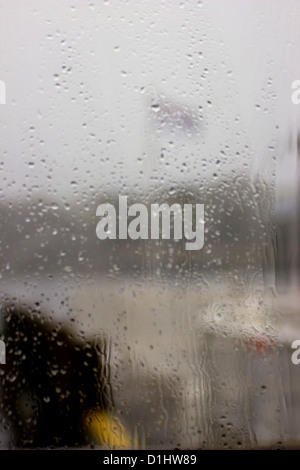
[{"x": 55, "y": 387}]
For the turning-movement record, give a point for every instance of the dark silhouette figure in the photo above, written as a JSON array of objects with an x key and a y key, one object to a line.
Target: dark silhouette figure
[{"x": 50, "y": 380}]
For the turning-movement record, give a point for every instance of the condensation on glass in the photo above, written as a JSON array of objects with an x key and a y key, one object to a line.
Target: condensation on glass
[{"x": 143, "y": 343}]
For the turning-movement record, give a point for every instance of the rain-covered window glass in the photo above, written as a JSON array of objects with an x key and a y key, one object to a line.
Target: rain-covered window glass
[{"x": 149, "y": 214}]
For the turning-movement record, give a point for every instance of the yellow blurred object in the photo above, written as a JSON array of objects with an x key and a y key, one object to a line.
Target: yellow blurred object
[{"x": 108, "y": 431}]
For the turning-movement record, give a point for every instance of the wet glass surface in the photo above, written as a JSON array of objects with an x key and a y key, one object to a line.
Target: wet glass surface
[{"x": 139, "y": 341}]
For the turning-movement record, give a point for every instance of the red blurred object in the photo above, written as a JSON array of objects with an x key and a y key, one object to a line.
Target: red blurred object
[{"x": 260, "y": 345}]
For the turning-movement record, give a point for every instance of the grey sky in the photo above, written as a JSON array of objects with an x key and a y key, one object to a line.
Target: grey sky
[{"x": 81, "y": 75}]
